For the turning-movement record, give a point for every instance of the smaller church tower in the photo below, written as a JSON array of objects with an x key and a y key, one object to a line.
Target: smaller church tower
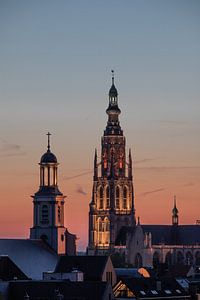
[
  {"x": 175, "y": 214},
  {"x": 48, "y": 201}
]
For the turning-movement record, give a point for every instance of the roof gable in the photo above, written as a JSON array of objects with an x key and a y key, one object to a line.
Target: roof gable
[
  {"x": 92, "y": 266},
  {"x": 9, "y": 270}
]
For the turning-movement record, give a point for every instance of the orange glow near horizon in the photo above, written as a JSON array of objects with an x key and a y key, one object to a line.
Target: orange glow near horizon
[{"x": 154, "y": 191}]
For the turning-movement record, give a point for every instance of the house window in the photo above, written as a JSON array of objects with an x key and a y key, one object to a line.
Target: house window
[
  {"x": 45, "y": 214},
  {"x": 125, "y": 198}
]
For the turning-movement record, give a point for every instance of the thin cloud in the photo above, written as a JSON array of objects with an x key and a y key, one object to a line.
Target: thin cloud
[
  {"x": 152, "y": 192},
  {"x": 9, "y": 149},
  {"x": 144, "y": 160},
  {"x": 163, "y": 168},
  {"x": 78, "y": 175},
  {"x": 80, "y": 190},
  {"x": 189, "y": 184}
]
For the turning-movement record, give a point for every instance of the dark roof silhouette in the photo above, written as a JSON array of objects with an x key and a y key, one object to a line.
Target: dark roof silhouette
[
  {"x": 48, "y": 190},
  {"x": 186, "y": 234},
  {"x": 91, "y": 266},
  {"x": 151, "y": 288},
  {"x": 48, "y": 289},
  {"x": 9, "y": 270},
  {"x": 48, "y": 157},
  {"x": 33, "y": 257}
]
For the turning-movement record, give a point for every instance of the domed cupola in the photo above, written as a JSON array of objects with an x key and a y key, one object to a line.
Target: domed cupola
[
  {"x": 48, "y": 158},
  {"x": 48, "y": 171}
]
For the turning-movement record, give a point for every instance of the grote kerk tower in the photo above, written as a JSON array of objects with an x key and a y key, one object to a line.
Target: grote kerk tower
[{"x": 112, "y": 205}]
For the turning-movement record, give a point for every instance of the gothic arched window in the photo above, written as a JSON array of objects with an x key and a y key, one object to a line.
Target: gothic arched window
[
  {"x": 107, "y": 197},
  {"x": 125, "y": 198},
  {"x": 45, "y": 214},
  {"x": 101, "y": 197},
  {"x": 107, "y": 224},
  {"x": 100, "y": 224},
  {"x": 117, "y": 196}
]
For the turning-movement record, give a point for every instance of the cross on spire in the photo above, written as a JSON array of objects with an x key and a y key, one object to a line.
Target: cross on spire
[{"x": 48, "y": 145}]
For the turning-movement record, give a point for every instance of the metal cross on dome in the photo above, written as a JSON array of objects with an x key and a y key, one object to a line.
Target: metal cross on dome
[{"x": 48, "y": 145}]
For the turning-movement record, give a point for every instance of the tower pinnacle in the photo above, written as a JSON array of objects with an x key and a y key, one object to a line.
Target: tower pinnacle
[
  {"x": 175, "y": 213},
  {"x": 48, "y": 143}
]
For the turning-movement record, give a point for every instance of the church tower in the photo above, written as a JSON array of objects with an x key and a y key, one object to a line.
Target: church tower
[
  {"x": 112, "y": 205},
  {"x": 48, "y": 201},
  {"x": 175, "y": 214}
]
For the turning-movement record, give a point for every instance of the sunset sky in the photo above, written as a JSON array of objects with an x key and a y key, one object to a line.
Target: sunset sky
[{"x": 55, "y": 62}]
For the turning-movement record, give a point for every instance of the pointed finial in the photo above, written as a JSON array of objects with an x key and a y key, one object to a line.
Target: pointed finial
[
  {"x": 138, "y": 221},
  {"x": 113, "y": 76},
  {"x": 48, "y": 145},
  {"x": 174, "y": 200}
]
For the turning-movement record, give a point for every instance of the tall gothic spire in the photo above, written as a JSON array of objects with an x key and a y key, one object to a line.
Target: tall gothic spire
[{"x": 113, "y": 111}]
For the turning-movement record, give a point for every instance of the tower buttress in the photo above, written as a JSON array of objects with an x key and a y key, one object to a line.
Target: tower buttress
[
  {"x": 130, "y": 172},
  {"x": 95, "y": 165}
]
